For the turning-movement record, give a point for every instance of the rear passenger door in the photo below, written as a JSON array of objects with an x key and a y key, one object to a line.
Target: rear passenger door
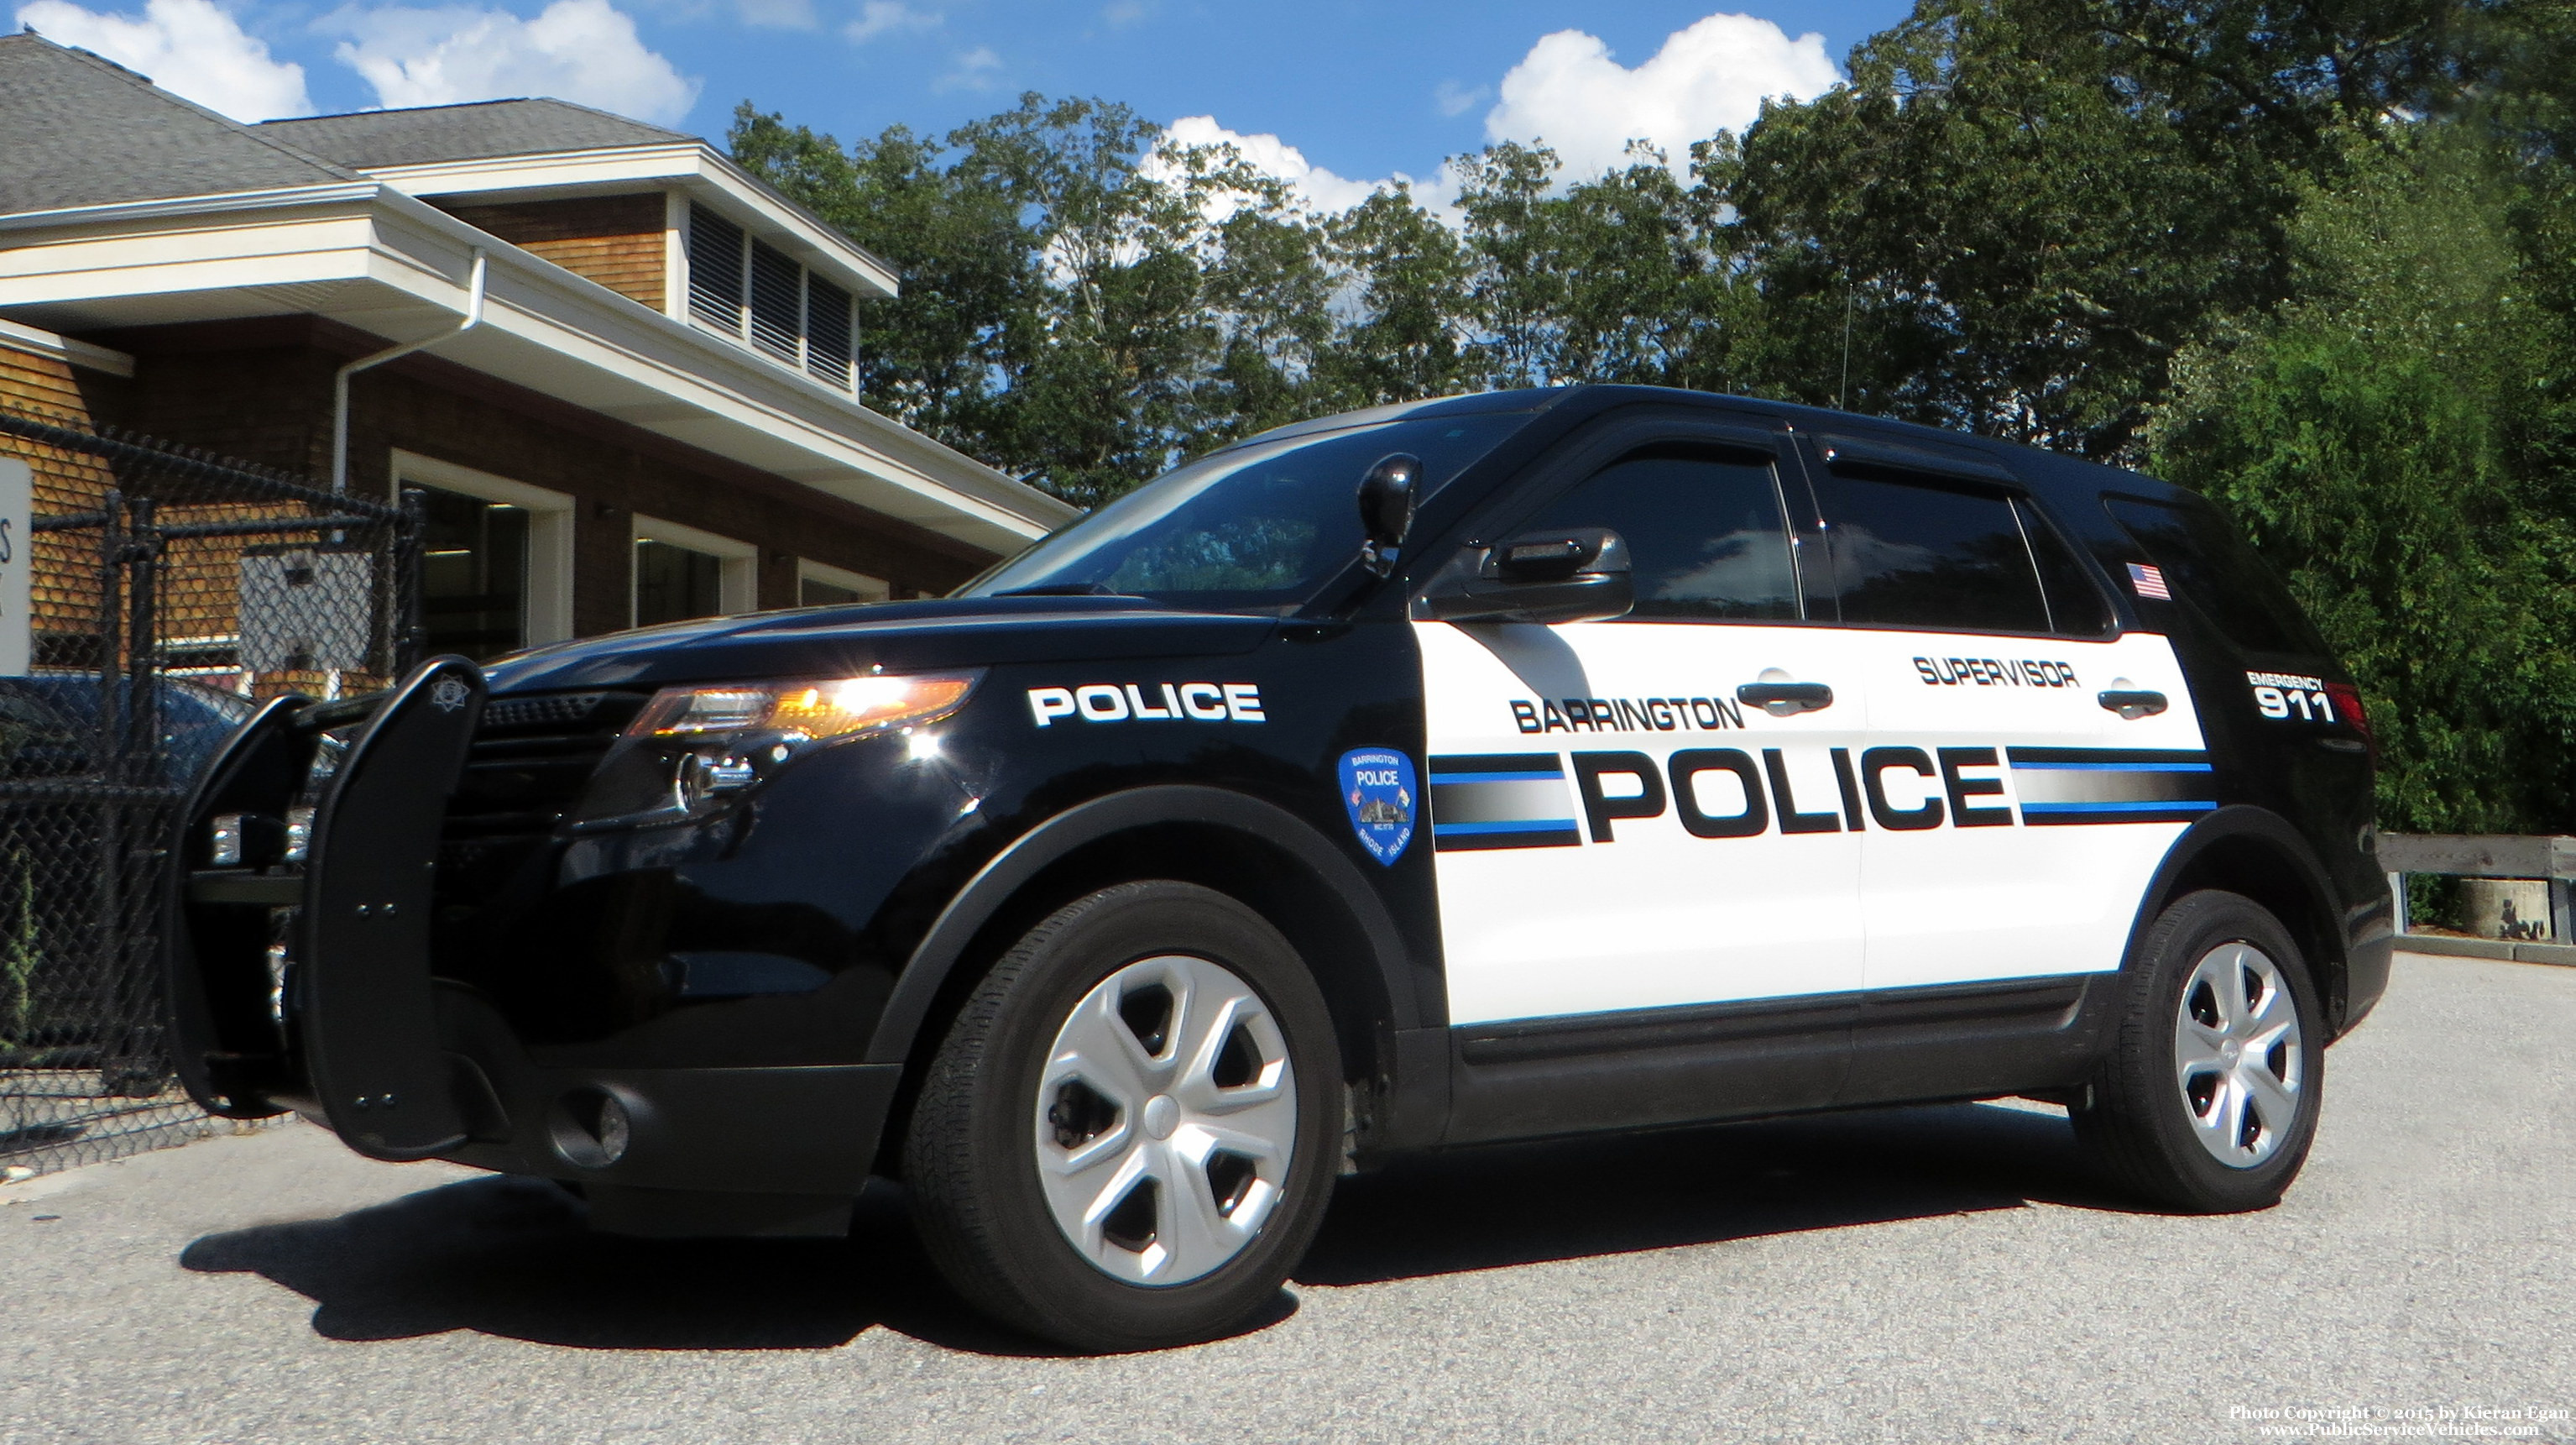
[
  {"x": 1615, "y": 829},
  {"x": 2016, "y": 819}
]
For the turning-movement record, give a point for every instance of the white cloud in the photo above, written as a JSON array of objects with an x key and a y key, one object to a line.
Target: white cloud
[
  {"x": 884, "y": 17},
  {"x": 976, "y": 69},
  {"x": 1124, "y": 12},
  {"x": 1568, "y": 92},
  {"x": 189, "y": 48},
  {"x": 1315, "y": 187},
  {"x": 1455, "y": 99},
  {"x": 1710, "y": 76},
  {"x": 585, "y": 51}
]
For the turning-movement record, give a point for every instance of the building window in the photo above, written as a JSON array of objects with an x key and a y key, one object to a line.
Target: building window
[
  {"x": 752, "y": 291},
  {"x": 674, "y": 584},
  {"x": 473, "y": 575},
  {"x": 496, "y": 569},
  {"x": 681, "y": 573},
  {"x": 821, "y": 586}
]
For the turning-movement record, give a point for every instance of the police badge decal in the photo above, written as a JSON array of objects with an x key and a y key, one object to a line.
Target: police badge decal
[{"x": 1379, "y": 792}]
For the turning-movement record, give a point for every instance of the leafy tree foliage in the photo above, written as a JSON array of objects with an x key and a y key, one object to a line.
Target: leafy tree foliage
[
  {"x": 2316, "y": 258},
  {"x": 2393, "y": 438}
]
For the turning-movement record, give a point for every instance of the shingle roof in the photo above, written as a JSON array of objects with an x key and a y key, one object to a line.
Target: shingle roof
[
  {"x": 82, "y": 132},
  {"x": 373, "y": 138}
]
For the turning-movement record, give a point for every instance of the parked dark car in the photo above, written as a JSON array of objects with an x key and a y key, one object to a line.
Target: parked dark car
[
  {"x": 70, "y": 887},
  {"x": 49, "y": 725}
]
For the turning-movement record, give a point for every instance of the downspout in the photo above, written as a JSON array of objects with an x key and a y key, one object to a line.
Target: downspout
[
  {"x": 340, "y": 398},
  {"x": 340, "y": 379}
]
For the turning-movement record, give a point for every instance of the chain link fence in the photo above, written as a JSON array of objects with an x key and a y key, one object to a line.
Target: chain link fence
[{"x": 169, "y": 591}]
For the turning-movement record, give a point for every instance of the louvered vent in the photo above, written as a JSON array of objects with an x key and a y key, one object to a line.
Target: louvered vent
[
  {"x": 751, "y": 289},
  {"x": 827, "y": 332},
  {"x": 715, "y": 270},
  {"x": 777, "y": 303}
]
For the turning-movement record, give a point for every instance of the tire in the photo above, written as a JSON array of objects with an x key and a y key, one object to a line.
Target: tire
[
  {"x": 1126, "y": 1139},
  {"x": 2208, "y": 1101}
]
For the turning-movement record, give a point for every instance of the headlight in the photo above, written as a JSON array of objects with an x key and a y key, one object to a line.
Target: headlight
[{"x": 693, "y": 747}]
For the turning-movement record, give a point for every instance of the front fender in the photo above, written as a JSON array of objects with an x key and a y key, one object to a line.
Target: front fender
[{"x": 945, "y": 945}]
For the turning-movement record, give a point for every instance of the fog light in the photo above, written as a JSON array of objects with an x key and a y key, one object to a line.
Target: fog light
[
  {"x": 225, "y": 849},
  {"x": 592, "y": 1128},
  {"x": 712, "y": 775},
  {"x": 299, "y": 833}
]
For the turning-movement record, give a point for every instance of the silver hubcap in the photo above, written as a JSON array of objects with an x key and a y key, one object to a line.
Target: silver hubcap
[
  {"x": 1165, "y": 1120},
  {"x": 2237, "y": 1058}
]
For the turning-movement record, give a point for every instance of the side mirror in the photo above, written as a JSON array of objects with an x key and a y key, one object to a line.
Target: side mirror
[
  {"x": 1579, "y": 574},
  {"x": 1387, "y": 494}
]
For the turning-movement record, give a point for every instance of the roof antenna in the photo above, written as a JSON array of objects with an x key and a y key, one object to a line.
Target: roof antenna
[{"x": 1845, "y": 385}]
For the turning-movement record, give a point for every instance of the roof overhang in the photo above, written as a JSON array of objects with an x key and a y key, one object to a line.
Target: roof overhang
[
  {"x": 693, "y": 167},
  {"x": 374, "y": 258}
]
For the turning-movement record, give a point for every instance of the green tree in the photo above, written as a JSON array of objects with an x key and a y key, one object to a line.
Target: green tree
[
  {"x": 1410, "y": 337},
  {"x": 933, "y": 357},
  {"x": 2393, "y": 439},
  {"x": 1993, "y": 225}
]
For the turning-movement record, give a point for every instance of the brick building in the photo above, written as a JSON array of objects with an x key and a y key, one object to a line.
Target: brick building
[{"x": 635, "y": 398}]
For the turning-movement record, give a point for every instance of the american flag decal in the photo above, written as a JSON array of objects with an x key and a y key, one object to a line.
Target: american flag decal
[{"x": 2149, "y": 581}]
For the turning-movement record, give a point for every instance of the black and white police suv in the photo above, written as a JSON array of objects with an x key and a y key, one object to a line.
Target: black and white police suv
[{"x": 1515, "y": 765}]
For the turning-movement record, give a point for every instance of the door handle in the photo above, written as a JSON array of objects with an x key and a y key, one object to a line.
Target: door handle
[
  {"x": 2132, "y": 703},
  {"x": 1780, "y": 699}
]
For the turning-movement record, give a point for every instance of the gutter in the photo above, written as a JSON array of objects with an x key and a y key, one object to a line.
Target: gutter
[
  {"x": 340, "y": 379},
  {"x": 116, "y": 211}
]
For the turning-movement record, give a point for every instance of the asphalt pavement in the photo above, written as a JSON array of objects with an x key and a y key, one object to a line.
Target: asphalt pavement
[{"x": 1944, "y": 1274}]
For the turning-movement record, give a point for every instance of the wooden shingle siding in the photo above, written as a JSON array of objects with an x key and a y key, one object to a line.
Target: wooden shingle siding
[
  {"x": 613, "y": 240},
  {"x": 64, "y": 591}
]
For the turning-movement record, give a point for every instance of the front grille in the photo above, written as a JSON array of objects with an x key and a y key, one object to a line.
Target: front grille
[{"x": 526, "y": 768}]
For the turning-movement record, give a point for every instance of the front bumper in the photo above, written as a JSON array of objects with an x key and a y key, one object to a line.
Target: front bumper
[{"x": 309, "y": 986}]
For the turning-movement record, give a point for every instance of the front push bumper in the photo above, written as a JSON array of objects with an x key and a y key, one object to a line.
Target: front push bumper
[{"x": 300, "y": 978}]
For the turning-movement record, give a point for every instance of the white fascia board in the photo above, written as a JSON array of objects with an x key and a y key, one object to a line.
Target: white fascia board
[
  {"x": 697, "y": 168},
  {"x": 179, "y": 251},
  {"x": 64, "y": 349}
]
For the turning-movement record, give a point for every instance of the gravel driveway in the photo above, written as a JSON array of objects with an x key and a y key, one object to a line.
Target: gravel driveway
[{"x": 1907, "y": 1275}]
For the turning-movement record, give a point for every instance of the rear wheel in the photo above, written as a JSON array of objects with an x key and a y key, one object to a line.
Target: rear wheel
[
  {"x": 2209, "y": 1099},
  {"x": 1126, "y": 1138}
]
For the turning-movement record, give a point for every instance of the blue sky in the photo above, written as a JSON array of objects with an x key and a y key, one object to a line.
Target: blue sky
[{"x": 1361, "y": 91}]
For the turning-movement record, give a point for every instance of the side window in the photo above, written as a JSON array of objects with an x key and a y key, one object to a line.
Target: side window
[
  {"x": 2208, "y": 566},
  {"x": 1925, "y": 554},
  {"x": 1703, "y": 527},
  {"x": 2076, "y": 607}
]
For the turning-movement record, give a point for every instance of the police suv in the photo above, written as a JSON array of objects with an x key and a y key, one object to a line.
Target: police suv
[{"x": 1515, "y": 765}]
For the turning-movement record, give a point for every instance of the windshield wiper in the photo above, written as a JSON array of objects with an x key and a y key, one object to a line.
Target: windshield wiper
[{"x": 1062, "y": 589}]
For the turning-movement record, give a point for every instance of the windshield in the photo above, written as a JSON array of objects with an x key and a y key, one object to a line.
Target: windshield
[{"x": 1255, "y": 526}]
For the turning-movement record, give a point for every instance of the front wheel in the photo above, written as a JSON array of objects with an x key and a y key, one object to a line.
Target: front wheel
[
  {"x": 1126, "y": 1139},
  {"x": 2209, "y": 1099}
]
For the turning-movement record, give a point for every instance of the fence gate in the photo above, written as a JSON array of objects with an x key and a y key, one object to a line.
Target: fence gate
[{"x": 168, "y": 589}]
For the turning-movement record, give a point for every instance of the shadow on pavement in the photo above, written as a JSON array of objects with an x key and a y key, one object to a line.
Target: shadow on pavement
[{"x": 511, "y": 1257}]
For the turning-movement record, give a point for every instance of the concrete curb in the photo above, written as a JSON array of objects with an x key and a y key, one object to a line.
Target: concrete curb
[{"x": 2501, "y": 949}]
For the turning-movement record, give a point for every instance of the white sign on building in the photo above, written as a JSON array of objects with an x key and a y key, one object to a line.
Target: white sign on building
[{"x": 17, "y": 561}]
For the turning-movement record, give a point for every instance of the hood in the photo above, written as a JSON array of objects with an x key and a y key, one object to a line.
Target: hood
[{"x": 895, "y": 636}]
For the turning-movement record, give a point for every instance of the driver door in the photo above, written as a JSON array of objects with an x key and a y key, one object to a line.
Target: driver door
[{"x": 1620, "y": 837}]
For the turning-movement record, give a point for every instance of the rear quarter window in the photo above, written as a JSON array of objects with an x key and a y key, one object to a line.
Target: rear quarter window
[{"x": 2211, "y": 570}]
